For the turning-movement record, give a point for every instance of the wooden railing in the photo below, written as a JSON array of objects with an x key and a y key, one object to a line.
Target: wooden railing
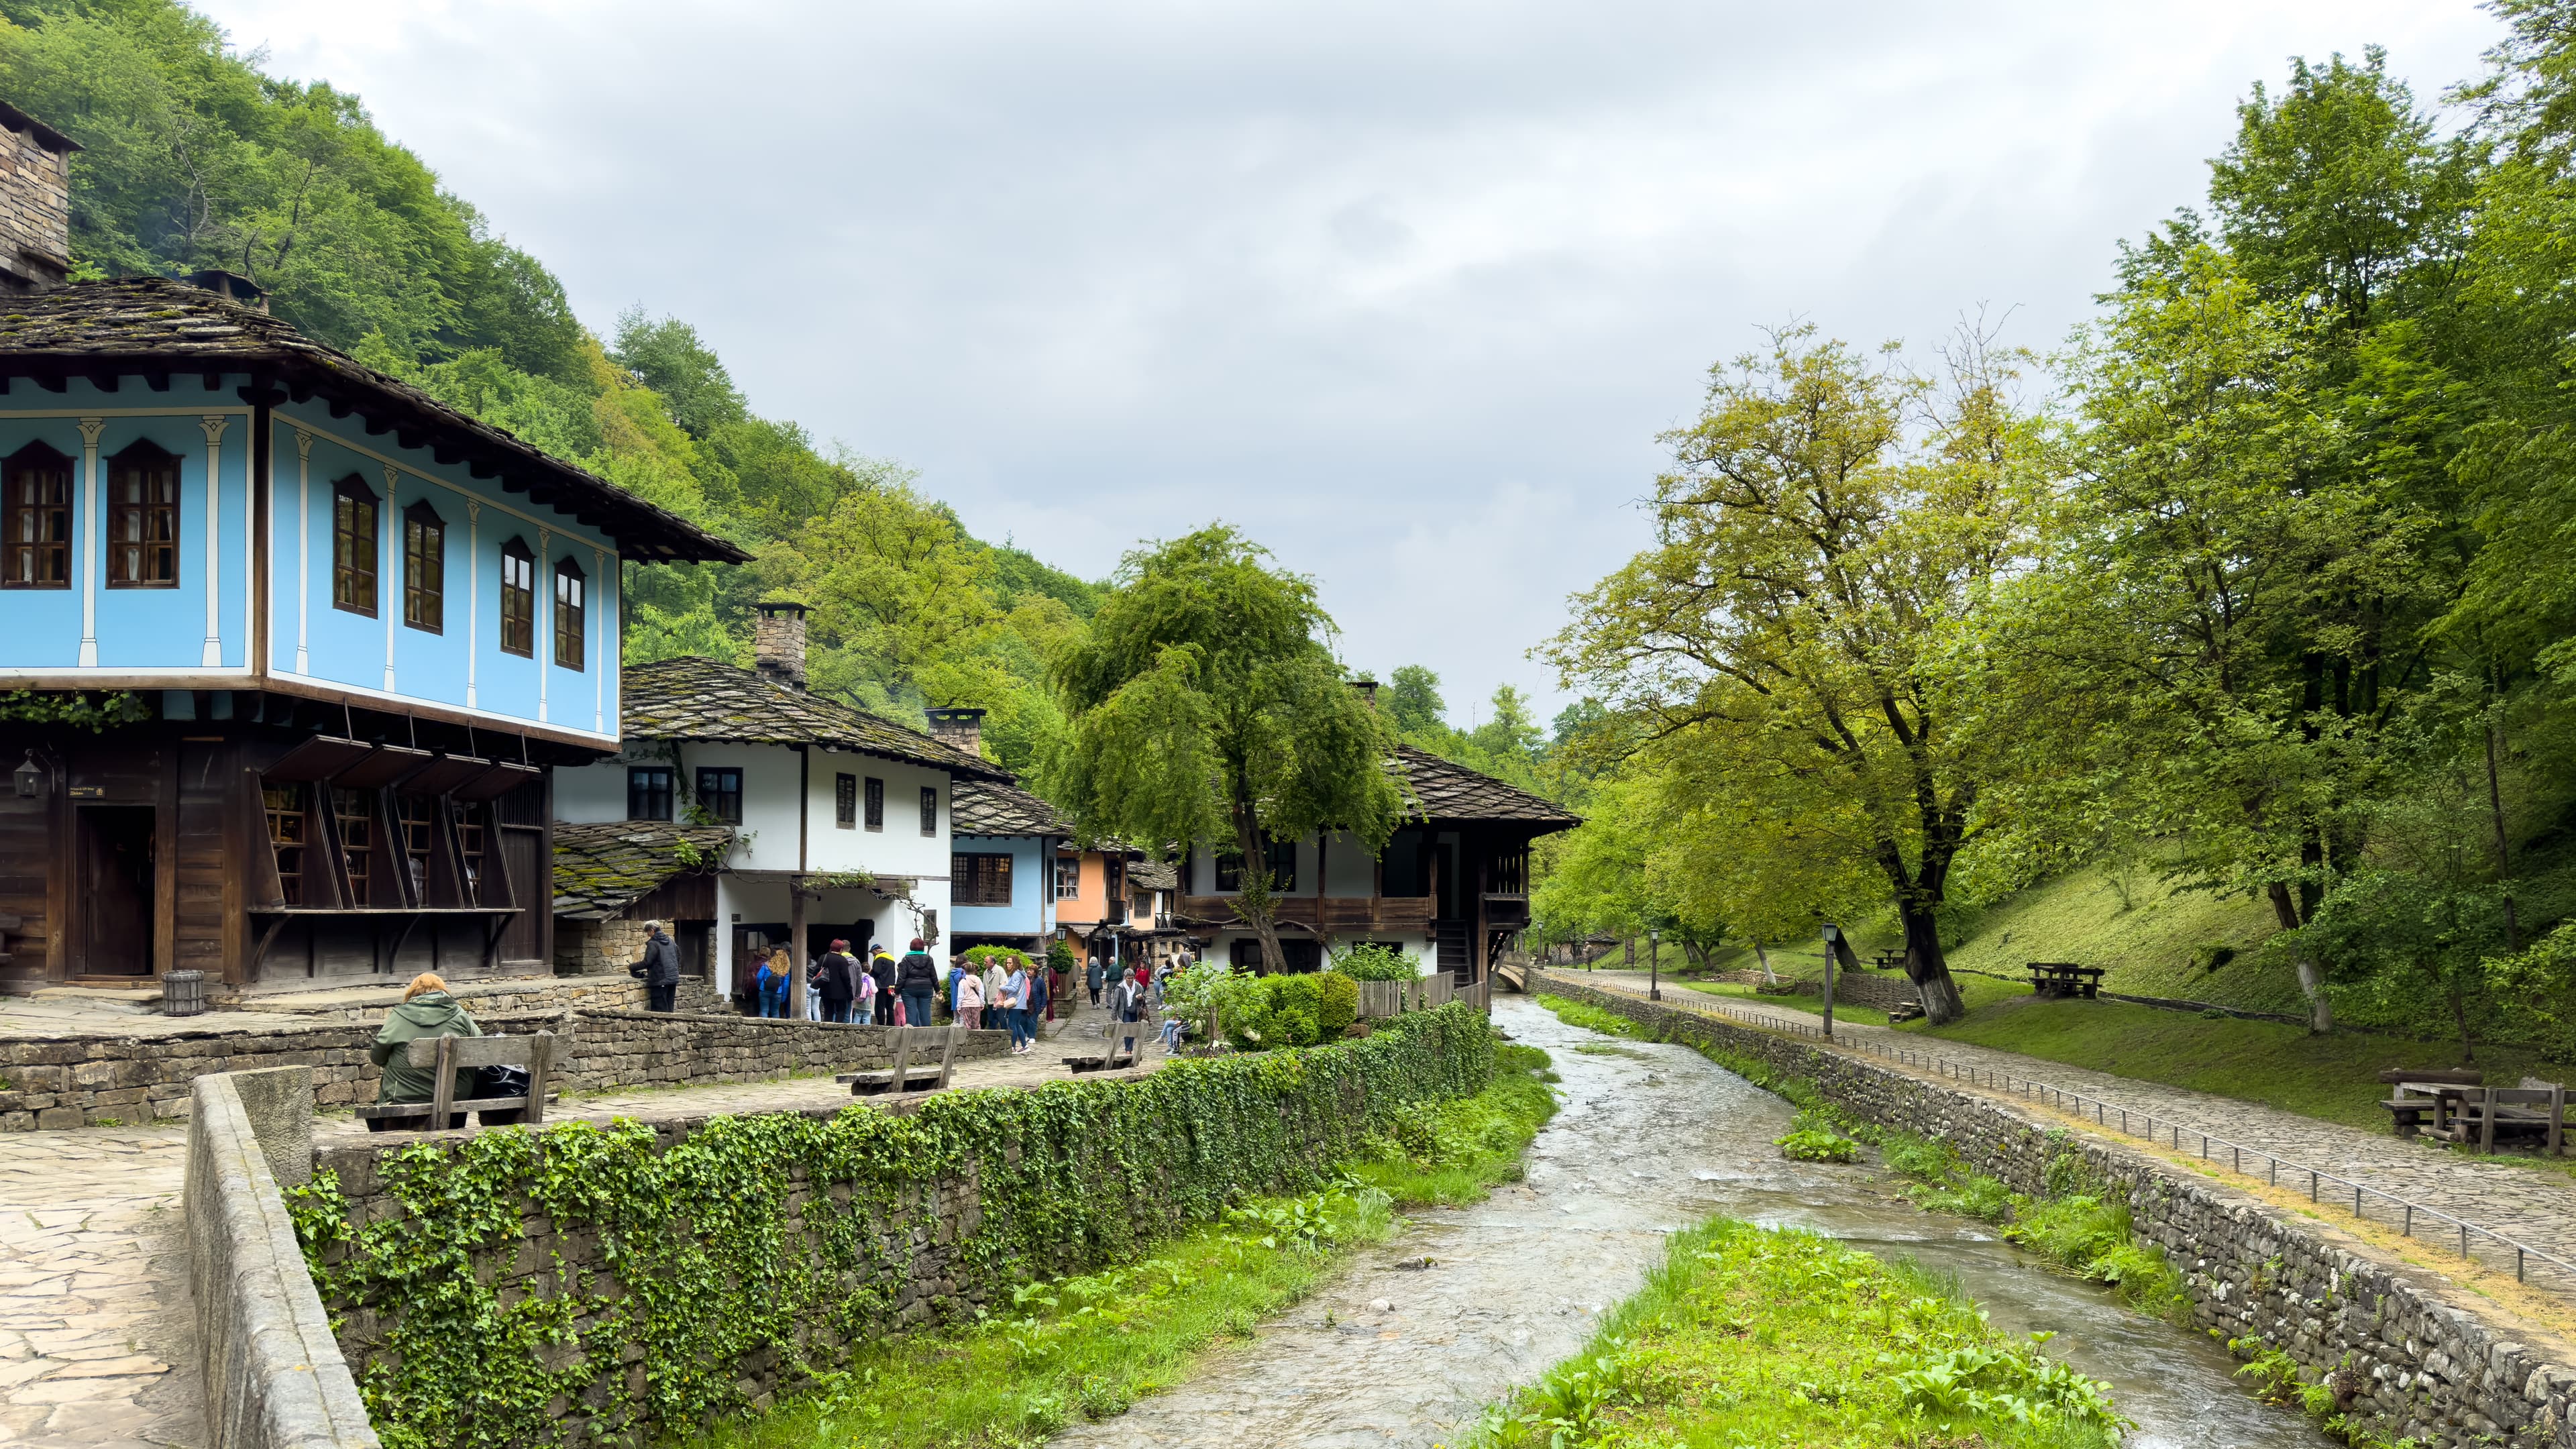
[{"x": 1326, "y": 915}]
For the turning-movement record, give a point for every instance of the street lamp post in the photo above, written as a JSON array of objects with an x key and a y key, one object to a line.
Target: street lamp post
[
  {"x": 1654, "y": 965},
  {"x": 1832, "y": 933}
]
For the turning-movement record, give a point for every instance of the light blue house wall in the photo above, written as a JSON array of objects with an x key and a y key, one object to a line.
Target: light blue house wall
[
  {"x": 91, "y": 631},
  {"x": 1030, "y": 912},
  {"x": 463, "y": 666}
]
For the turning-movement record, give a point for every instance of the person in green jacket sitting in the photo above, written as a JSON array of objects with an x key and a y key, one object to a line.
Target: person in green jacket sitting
[{"x": 426, "y": 1011}]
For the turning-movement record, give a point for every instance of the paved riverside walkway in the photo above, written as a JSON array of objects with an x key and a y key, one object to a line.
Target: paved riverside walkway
[
  {"x": 95, "y": 1326},
  {"x": 96, "y": 1337},
  {"x": 2534, "y": 1205}
]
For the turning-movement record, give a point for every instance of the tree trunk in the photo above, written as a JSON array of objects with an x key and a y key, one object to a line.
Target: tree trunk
[
  {"x": 1928, "y": 967},
  {"x": 2312, "y": 977},
  {"x": 1764, "y": 957},
  {"x": 2504, "y": 845},
  {"x": 1253, "y": 905}
]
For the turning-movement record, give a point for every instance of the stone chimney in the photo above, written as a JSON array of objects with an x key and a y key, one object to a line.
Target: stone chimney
[
  {"x": 963, "y": 728},
  {"x": 232, "y": 286},
  {"x": 1367, "y": 689},
  {"x": 778, "y": 641},
  {"x": 35, "y": 204}
]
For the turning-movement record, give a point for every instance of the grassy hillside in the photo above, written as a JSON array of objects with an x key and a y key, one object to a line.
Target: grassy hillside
[{"x": 2149, "y": 939}]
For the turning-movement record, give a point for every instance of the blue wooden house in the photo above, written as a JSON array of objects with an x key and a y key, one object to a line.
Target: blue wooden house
[{"x": 290, "y": 648}]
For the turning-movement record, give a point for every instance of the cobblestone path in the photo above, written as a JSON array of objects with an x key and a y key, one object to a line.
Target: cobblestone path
[
  {"x": 2534, "y": 1205},
  {"x": 95, "y": 1343}
]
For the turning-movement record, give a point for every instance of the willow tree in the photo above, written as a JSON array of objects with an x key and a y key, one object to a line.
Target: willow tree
[
  {"x": 1204, "y": 708},
  {"x": 1790, "y": 638}
]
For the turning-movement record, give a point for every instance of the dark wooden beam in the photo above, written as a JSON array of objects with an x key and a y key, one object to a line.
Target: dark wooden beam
[
  {"x": 104, "y": 380},
  {"x": 376, "y": 426},
  {"x": 483, "y": 468},
  {"x": 409, "y": 438},
  {"x": 158, "y": 380},
  {"x": 341, "y": 407},
  {"x": 214, "y": 380},
  {"x": 52, "y": 381},
  {"x": 446, "y": 454}
]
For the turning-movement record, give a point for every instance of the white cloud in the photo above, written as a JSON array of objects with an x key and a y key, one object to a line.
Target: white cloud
[{"x": 1406, "y": 291}]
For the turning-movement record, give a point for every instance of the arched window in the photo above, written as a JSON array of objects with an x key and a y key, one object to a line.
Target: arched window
[
  {"x": 143, "y": 518},
  {"x": 36, "y": 518},
  {"x": 424, "y": 568},
  {"x": 570, "y": 598},
  {"x": 518, "y": 599},
  {"x": 353, "y": 546}
]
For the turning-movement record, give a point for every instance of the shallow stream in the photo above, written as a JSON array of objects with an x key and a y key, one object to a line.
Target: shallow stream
[{"x": 1650, "y": 1138}]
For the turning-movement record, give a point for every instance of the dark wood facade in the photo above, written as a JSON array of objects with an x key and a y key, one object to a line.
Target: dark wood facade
[{"x": 267, "y": 841}]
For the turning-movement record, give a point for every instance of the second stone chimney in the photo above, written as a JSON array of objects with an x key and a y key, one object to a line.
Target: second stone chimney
[
  {"x": 35, "y": 204},
  {"x": 1367, "y": 689},
  {"x": 778, "y": 641},
  {"x": 961, "y": 727}
]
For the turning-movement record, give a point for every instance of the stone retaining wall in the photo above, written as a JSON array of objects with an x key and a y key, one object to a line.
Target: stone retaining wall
[
  {"x": 57, "y": 1082},
  {"x": 274, "y": 1376},
  {"x": 2405, "y": 1360}
]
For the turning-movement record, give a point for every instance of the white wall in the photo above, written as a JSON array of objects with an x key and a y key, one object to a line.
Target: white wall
[{"x": 900, "y": 848}]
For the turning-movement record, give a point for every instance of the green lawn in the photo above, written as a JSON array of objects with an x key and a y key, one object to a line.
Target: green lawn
[{"x": 2333, "y": 1077}]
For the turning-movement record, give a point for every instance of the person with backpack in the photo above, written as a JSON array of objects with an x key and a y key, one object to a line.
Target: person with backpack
[
  {"x": 881, "y": 966},
  {"x": 917, "y": 979},
  {"x": 832, "y": 980},
  {"x": 660, "y": 968},
  {"x": 863, "y": 1007},
  {"x": 769, "y": 988}
]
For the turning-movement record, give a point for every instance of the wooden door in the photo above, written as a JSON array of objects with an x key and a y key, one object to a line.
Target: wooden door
[
  {"x": 119, "y": 865},
  {"x": 522, "y": 854}
]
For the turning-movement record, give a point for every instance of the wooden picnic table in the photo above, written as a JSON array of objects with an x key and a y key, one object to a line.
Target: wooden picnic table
[
  {"x": 2065, "y": 978},
  {"x": 2480, "y": 1116}
]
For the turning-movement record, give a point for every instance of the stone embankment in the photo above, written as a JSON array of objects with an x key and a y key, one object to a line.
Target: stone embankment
[
  {"x": 2404, "y": 1355},
  {"x": 77, "y": 1081}
]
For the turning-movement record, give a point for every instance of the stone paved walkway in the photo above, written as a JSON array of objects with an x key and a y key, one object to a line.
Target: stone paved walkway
[
  {"x": 2532, "y": 1205},
  {"x": 94, "y": 1317}
]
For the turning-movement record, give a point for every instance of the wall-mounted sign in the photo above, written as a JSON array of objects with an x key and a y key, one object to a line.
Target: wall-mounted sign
[{"x": 89, "y": 792}]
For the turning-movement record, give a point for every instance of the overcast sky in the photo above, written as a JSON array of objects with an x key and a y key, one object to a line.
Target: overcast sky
[{"x": 1405, "y": 291}]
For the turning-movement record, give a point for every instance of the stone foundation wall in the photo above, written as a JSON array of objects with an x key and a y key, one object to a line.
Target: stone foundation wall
[
  {"x": 597, "y": 948},
  {"x": 2406, "y": 1360},
  {"x": 46, "y": 1082}
]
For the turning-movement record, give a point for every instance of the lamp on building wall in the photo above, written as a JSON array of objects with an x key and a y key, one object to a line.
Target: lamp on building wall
[{"x": 30, "y": 777}]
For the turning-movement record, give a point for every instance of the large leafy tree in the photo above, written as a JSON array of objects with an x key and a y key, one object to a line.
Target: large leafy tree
[
  {"x": 1789, "y": 637},
  {"x": 1204, "y": 708}
]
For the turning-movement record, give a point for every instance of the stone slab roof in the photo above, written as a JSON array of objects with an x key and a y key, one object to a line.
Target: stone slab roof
[
  {"x": 694, "y": 698},
  {"x": 602, "y": 869},
  {"x": 155, "y": 326},
  {"x": 1451, "y": 791},
  {"x": 991, "y": 807},
  {"x": 1155, "y": 875}
]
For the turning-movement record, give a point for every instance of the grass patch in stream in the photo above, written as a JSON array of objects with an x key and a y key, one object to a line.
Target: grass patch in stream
[
  {"x": 1755, "y": 1336},
  {"x": 1088, "y": 1347}
]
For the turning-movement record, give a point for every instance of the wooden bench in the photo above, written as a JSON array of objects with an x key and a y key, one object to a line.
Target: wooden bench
[
  {"x": 1887, "y": 961},
  {"x": 903, "y": 1074},
  {"x": 2065, "y": 979},
  {"x": 1107, "y": 1059},
  {"x": 2486, "y": 1114},
  {"x": 445, "y": 1056}
]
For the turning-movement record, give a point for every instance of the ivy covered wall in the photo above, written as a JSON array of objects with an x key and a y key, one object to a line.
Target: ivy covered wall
[{"x": 629, "y": 1280}]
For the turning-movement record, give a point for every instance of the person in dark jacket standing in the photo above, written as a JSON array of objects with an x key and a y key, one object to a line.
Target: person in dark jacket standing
[
  {"x": 882, "y": 967},
  {"x": 660, "y": 968},
  {"x": 1098, "y": 976},
  {"x": 917, "y": 978},
  {"x": 837, "y": 977}
]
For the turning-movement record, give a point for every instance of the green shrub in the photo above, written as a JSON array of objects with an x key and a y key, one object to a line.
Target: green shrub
[
  {"x": 976, "y": 958},
  {"x": 1337, "y": 1004},
  {"x": 1374, "y": 961},
  {"x": 1060, "y": 957}
]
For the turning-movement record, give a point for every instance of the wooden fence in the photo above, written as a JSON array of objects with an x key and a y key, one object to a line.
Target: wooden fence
[{"x": 1394, "y": 998}]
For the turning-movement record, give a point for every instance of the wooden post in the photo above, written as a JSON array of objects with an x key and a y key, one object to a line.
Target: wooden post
[
  {"x": 443, "y": 1090},
  {"x": 796, "y": 948},
  {"x": 538, "y": 1061},
  {"x": 2486, "y": 1124}
]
